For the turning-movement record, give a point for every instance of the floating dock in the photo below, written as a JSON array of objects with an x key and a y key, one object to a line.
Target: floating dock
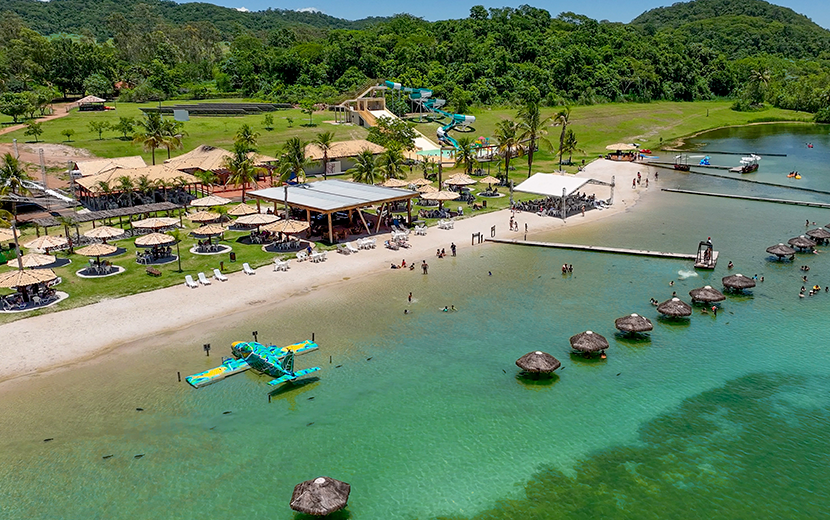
[
  {"x": 596, "y": 249},
  {"x": 747, "y": 197}
]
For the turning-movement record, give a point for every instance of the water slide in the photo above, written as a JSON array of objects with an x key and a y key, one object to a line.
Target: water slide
[{"x": 423, "y": 96}]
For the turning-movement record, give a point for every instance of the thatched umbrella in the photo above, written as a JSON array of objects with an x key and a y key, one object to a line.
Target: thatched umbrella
[
  {"x": 7, "y": 234},
  {"x": 633, "y": 323},
  {"x": 706, "y": 294},
  {"x": 801, "y": 242},
  {"x": 675, "y": 308},
  {"x": 460, "y": 180},
  {"x": 203, "y": 216},
  {"x": 394, "y": 183},
  {"x": 97, "y": 250},
  {"x": 154, "y": 239},
  {"x": 287, "y": 226},
  {"x": 620, "y": 147},
  {"x": 257, "y": 219},
  {"x": 210, "y": 230},
  {"x": 24, "y": 277},
  {"x": 781, "y": 251},
  {"x": 441, "y": 196},
  {"x": 538, "y": 362},
  {"x": 427, "y": 188},
  {"x": 155, "y": 223},
  {"x": 104, "y": 233},
  {"x": 818, "y": 234},
  {"x": 46, "y": 242},
  {"x": 242, "y": 210},
  {"x": 738, "y": 282},
  {"x": 210, "y": 201},
  {"x": 489, "y": 180},
  {"x": 588, "y": 342},
  {"x": 32, "y": 260},
  {"x": 321, "y": 496},
  {"x": 420, "y": 182}
]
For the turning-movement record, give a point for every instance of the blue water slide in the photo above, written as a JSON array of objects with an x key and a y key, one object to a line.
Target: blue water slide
[{"x": 423, "y": 96}]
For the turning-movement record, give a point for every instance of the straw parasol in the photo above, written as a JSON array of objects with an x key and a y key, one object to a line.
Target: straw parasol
[
  {"x": 203, "y": 216},
  {"x": 738, "y": 282},
  {"x": 33, "y": 260},
  {"x": 781, "y": 251},
  {"x": 321, "y": 496},
  {"x": 420, "y": 182},
  {"x": 394, "y": 183},
  {"x": 819, "y": 234},
  {"x": 104, "y": 232},
  {"x": 22, "y": 278},
  {"x": 538, "y": 362},
  {"x": 97, "y": 250},
  {"x": 287, "y": 226},
  {"x": 801, "y": 242},
  {"x": 675, "y": 308},
  {"x": 706, "y": 294},
  {"x": 461, "y": 180},
  {"x": 6, "y": 235},
  {"x": 620, "y": 147},
  {"x": 441, "y": 195},
  {"x": 209, "y": 201},
  {"x": 242, "y": 210},
  {"x": 155, "y": 223},
  {"x": 427, "y": 188},
  {"x": 489, "y": 180},
  {"x": 257, "y": 219},
  {"x": 154, "y": 239},
  {"x": 46, "y": 242},
  {"x": 209, "y": 230},
  {"x": 588, "y": 342},
  {"x": 633, "y": 323}
]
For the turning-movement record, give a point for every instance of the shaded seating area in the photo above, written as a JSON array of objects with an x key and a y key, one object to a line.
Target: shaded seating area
[
  {"x": 155, "y": 255},
  {"x": 563, "y": 197}
]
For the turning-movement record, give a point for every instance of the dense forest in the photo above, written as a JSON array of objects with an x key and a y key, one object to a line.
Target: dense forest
[{"x": 750, "y": 50}]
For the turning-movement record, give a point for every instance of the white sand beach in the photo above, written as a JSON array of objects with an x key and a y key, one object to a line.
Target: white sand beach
[{"x": 42, "y": 343}]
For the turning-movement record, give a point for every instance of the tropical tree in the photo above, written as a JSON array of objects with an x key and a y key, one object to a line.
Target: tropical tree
[
  {"x": 105, "y": 190},
  {"x": 173, "y": 132},
  {"x": 125, "y": 125},
  {"x": 34, "y": 129},
  {"x": 13, "y": 178},
  {"x": 307, "y": 107},
  {"x": 466, "y": 154},
  {"x": 126, "y": 186},
  {"x": 506, "y": 134},
  {"x": 366, "y": 168},
  {"x": 206, "y": 177},
  {"x": 324, "y": 141},
  {"x": 293, "y": 160},
  {"x": 165, "y": 186},
  {"x": 68, "y": 133},
  {"x": 268, "y": 121},
  {"x": 247, "y": 137},
  {"x": 145, "y": 186},
  {"x": 241, "y": 168},
  {"x": 151, "y": 134},
  {"x": 532, "y": 130},
  {"x": 562, "y": 118},
  {"x": 99, "y": 127},
  {"x": 390, "y": 163},
  {"x": 570, "y": 146}
]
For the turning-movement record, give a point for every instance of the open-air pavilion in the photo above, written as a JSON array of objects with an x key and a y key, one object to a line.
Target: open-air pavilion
[
  {"x": 562, "y": 189},
  {"x": 331, "y": 196}
]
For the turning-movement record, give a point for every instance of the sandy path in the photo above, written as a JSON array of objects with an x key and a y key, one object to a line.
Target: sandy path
[{"x": 54, "y": 340}]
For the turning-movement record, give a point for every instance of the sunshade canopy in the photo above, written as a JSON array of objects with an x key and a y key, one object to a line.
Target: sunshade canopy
[
  {"x": 210, "y": 201},
  {"x": 489, "y": 180},
  {"x": 395, "y": 183},
  {"x": 242, "y": 209},
  {"x": 104, "y": 232},
  {"x": 203, "y": 216},
  {"x": 154, "y": 239},
  {"x": 551, "y": 185},
  {"x": 633, "y": 323},
  {"x": 675, "y": 308},
  {"x": 333, "y": 195},
  {"x": 427, "y": 188},
  {"x": 209, "y": 230},
  {"x": 707, "y": 294},
  {"x": 155, "y": 222},
  {"x": 321, "y": 496},
  {"x": 257, "y": 219},
  {"x": 620, "y": 147},
  {"x": 420, "y": 182},
  {"x": 738, "y": 281},
  {"x": 538, "y": 362},
  {"x": 589, "y": 341},
  {"x": 287, "y": 226},
  {"x": 32, "y": 260},
  {"x": 22, "y": 278},
  {"x": 780, "y": 250},
  {"x": 97, "y": 250},
  {"x": 46, "y": 242},
  {"x": 441, "y": 195}
]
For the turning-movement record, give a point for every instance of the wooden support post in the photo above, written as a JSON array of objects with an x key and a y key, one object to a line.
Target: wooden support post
[
  {"x": 308, "y": 216},
  {"x": 380, "y": 213},
  {"x": 331, "y": 232},
  {"x": 257, "y": 206},
  {"x": 365, "y": 225}
]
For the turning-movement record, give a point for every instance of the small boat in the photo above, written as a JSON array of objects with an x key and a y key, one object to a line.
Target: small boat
[
  {"x": 749, "y": 164},
  {"x": 794, "y": 175}
]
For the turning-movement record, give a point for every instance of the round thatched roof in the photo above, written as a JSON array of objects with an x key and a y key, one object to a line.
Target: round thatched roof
[
  {"x": 104, "y": 232},
  {"x": 287, "y": 226},
  {"x": 394, "y": 183},
  {"x": 633, "y": 323},
  {"x": 738, "y": 281},
  {"x": 32, "y": 260},
  {"x": 203, "y": 216},
  {"x": 675, "y": 308},
  {"x": 97, "y": 250},
  {"x": 801, "y": 242},
  {"x": 6, "y": 234},
  {"x": 154, "y": 239},
  {"x": 780, "y": 250},
  {"x": 155, "y": 222},
  {"x": 21, "y": 278},
  {"x": 589, "y": 341},
  {"x": 257, "y": 219},
  {"x": 46, "y": 242},
  {"x": 818, "y": 233},
  {"x": 420, "y": 182},
  {"x": 242, "y": 210},
  {"x": 427, "y": 188},
  {"x": 538, "y": 362},
  {"x": 209, "y": 201},
  {"x": 321, "y": 496},
  {"x": 707, "y": 294},
  {"x": 489, "y": 180},
  {"x": 209, "y": 230},
  {"x": 441, "y": 195}
]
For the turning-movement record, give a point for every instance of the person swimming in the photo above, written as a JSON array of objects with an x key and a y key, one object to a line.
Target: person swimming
[{"x": 445, "y": 309}]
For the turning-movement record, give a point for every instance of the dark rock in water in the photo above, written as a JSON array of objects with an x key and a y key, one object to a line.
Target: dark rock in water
[
  {"x": 369, "y": 359},
  {"x": 309, "y": 424},
  {"x": 620, "y": 373},
  {"x": 226, "y": 412},
  {"x": 139, "y": 409},
  {"x": 212, "y": 427},
  {"x": 106, "y": 457},
  {"x": 338, "y": 366},
  {"x": 311, "y": 398},
  {"x": 49, "y": 439},
  {"x": 139, "y": 455}
]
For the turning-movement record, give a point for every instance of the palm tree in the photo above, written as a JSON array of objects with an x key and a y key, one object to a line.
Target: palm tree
[
  {"x": 152, "y": 134},
  {"x": 390, "y": 163},
  {"x": 12, "y": 180},
  {"x": 105, "y": 191},
  {"x": 126, "y": 186},
  {"x": 366, "y": 169},
  {"x": 173, "y": 133},
  {"x": 562, "y": 118},
  {"x": 507, "y": 135},
  {"x": 466, "y": 154},
  {"x": 571, "y": 145},
  {"x": 145, "y": 186},
  {"x": 247, "y": 137},
  {"x": 241, "y": 168},
  {"x": 206, "y": 177},
  {"x": 532, "y": 128},
  {"x": 164, "y": 186},
  {"x": 293, "y": 161},
  {"x": 324, "y": 141}
]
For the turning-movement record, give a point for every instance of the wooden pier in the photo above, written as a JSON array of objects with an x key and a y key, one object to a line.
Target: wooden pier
[
  {"x": 746, "y": 197},
  {"x": 596, "y": 249},
  {"x": 743, "y": 179}
]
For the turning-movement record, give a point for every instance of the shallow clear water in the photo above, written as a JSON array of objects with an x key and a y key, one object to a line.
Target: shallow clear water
[{"x": 716, "y": 417}]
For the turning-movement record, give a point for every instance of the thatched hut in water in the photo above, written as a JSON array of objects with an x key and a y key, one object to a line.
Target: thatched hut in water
[
  {"x": 819, "y": 234},
  {"x": 538, "y": 362},
  {"x": 707, "y": 294},
  {"x": 801, "y": 242},
  {"x": 321, "y": 496},
  {"x": 675, "y": 308},
  {"x": 589, "y": 342},
  {"x": 633, "y": 324},
  {"x": 738, "y": 282},
  {"x": 781, "y": 251}
]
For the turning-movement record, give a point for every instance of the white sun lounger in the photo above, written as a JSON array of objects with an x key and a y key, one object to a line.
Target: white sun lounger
[
  {"x": 247, "y": 268},
  {"x": 280, "y": 265},
  {"x": 188, "y": 281},
  {"x": 343, "y": 248},
  {"x": 351, "y": 248},
  {"x": 203, "y": 279},
  {"x": 302, "y": 255},
  {"x": 219, "y": 276}
]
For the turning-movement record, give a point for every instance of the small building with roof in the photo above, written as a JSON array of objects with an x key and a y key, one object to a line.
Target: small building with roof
[
  {"x": 92, "y": 190},
  {"x": 341, "y": 156}
]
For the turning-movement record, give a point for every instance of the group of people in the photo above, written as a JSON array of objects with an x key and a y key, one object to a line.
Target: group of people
[
  {"x": 552, "y": 207},
  {"x": 567, "y": 268},
  {"x": 638, "y": 180},
  {"x": 19, "y": 300},
  {"x": 151, "y": 255}
]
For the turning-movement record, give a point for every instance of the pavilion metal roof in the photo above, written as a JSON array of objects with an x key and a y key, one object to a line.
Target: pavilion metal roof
[{"x": 333, "y": 195}]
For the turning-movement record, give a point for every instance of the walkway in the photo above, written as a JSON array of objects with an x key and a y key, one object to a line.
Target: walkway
[{"x": 597, "y": 249}]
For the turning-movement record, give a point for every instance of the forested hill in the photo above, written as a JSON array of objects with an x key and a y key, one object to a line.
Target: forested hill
[
  {"x": 740, "y": 28},
  {"x": 80, "y": 16}
]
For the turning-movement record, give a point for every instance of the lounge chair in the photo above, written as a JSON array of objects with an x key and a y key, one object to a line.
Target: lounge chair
[
  {"x": 247, "y": 268},
  {"x": 280, "y": 265},
  {"x": 343, "y": 248},
  {"x": 188, "y": 281},
  {"x": 203, "y": 279},
  {"x": 351, "y": 248},
  {"x": 420, "y": 230},
  {"x": 219, "y": 276},
  {"x": 302, "y": 255}
]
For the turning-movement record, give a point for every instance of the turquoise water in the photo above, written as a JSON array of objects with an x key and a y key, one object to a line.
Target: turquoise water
[{"x": 716, "y": 417}]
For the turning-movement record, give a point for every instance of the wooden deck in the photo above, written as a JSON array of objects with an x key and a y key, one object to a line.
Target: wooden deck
[
  {"x": 747, "y": 197},
  {"x": 596, "y": 249}
]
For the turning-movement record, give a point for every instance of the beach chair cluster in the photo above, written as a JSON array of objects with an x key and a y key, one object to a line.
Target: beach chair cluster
[
  {"x": 421, "y": 229},
  {"x": 446, "y": 224},
  {"x": 203, "y": 280},
  {"x": 366, "y": 243},
  {"x": 318, "y": 257},
  {"x": 280, "y": 265},
  {"x": 347, "y": 249}
]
